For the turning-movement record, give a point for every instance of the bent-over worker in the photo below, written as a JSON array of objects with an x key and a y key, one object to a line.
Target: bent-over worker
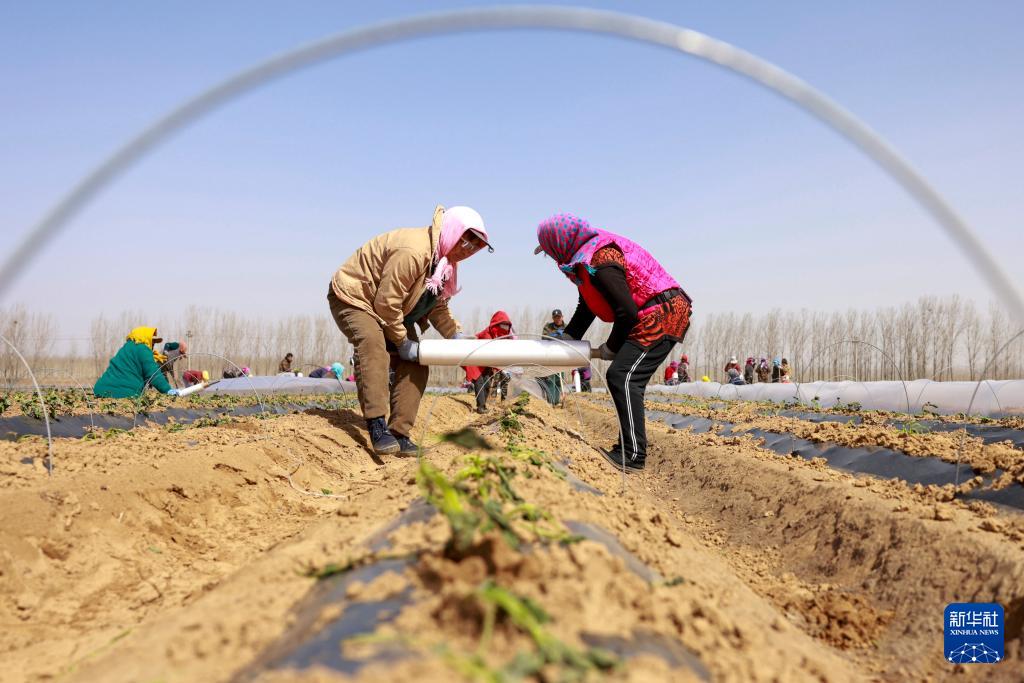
[
  {"x": 389, "y": 285},
  {"x": 621, "y": 283},
  {"x": 133, "y": 368}
]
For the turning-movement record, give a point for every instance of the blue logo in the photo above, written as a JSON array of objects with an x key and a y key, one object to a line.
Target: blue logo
[{"x": 974, "y": 632}]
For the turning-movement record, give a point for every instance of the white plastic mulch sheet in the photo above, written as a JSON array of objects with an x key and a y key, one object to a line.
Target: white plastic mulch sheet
[
  {"x": 280, "y": 384},
  {"x": 993, "y": 399}
]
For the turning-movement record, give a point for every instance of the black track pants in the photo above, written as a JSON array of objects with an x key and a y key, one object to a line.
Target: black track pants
[{"x": 627, "y": 382}]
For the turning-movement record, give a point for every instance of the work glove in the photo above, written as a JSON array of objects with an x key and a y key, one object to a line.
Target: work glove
[
  {"x": 567, "y": 337},
  {"x": 409, "y": 351},
  {"x": 461, "y": 335},
  {"x": 172, "y": 392},
  {"x": 605, "y": 353}
]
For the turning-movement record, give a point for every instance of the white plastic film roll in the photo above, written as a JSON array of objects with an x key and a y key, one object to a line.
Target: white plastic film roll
[
  {"x": 192, "y": 389},
  {"x": 501, "y": 353}
]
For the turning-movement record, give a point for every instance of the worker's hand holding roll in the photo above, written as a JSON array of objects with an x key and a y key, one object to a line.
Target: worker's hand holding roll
[
  {"x": 409, "y": 351},
  {"x": 604, "y": 353}
]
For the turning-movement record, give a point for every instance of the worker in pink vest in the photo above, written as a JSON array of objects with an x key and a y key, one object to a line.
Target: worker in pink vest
[{"x": 621, "y": 283}]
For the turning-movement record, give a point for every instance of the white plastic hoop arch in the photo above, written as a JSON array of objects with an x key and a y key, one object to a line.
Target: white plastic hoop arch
[{"x": 579, "y": 19}]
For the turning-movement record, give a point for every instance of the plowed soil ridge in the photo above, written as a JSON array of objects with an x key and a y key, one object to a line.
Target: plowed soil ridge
[{"x": 183, "y": 556}]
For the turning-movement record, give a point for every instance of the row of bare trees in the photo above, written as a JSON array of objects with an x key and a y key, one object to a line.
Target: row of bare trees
[
  {"x": 932, "y": 338},
  {"x": 941, "y": 339},
  {"x": 30, "y": 333}
]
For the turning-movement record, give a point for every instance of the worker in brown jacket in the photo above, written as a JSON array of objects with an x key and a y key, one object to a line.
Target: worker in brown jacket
[{"x": 391, "y": 283}]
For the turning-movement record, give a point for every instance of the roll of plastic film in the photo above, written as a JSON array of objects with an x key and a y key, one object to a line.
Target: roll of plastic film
[{"x": 501, "y": 353}]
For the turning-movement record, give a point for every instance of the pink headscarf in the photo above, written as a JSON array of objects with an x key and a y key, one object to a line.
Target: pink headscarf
[{"x": 457, "y": 220}]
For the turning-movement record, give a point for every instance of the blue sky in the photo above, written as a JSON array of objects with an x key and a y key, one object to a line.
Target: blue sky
[{"x": 751, "y": 203}]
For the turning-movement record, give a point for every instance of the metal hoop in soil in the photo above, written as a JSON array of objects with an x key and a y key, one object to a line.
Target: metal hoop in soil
[
  {"x": 46, "y": 372},
  {"x": 899, "y": 373},
  {"x": 974, "y": 394},
  {"x": 584, "y": 20},
  {"x": 42, "y": 404},
  {"x": 149, "y": 380}
]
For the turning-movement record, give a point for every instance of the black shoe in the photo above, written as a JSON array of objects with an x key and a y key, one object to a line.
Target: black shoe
[
  {"x": 383, "y": 441},
  {"x": 405, "y": 445},
  {"x": 616, "y": 458},
  {"x": 481, "y": 409}
]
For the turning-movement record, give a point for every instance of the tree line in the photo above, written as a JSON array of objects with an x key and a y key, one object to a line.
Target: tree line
[{"x": 935, "y": 338}]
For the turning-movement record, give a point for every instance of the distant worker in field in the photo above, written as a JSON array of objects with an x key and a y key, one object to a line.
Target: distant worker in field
[
  {"x": 672, "y": 373},
  {"x": 784, "y": 371},
  {"x": 733, "y": 363},
  {"x": 748, "y": 371},
  {"x": 335, "y": 371},
  {"x": 389, "y": 285},
  {"x": 133, "y": 368},
  {"x": 193, "y": 377},
  {"x": 586, "y": 376},
  {"x": 556, "y": 326},
  {"x": 764, "y": 372},
  {"x": 173, "y": 352},
  {"x": 684, "y": 369},
  {"x": 776, "y": 371},
  {"x": 735, "y": 377},
  {"x": 621, "y": 283},
  {"x": 234, "y": 373},
  {"x": 485, "y": 379},
  {"x": 286, "y": 363}
]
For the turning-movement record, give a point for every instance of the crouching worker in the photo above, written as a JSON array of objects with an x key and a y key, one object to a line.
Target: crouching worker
[
  {"x": 336, "y": 371},
  {"x": 619, "y": 282},
  {"x": 388, "y": 285},
  {"x": 484, "y": 379},
  {"x": 133, "y": 368}
]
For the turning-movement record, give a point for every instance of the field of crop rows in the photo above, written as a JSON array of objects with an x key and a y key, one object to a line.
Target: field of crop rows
[{"x": 219, "y": 540}]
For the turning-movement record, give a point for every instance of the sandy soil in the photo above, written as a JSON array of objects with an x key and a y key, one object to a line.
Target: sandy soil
[
  {"x": 949, "y": 446},
  {"x": 187, "y": 556}
]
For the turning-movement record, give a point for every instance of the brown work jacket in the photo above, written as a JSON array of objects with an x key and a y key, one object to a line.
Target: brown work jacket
[{"x": 388, "y": 275}]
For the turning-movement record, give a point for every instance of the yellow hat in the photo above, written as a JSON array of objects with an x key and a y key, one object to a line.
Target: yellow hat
[
  {"x": 206, "y": 375},
  {"x": 705, "y": 378}
]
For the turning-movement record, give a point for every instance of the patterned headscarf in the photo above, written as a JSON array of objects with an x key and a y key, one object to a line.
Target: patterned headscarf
[
  {"x": 569, "y": 240},
  {"x": 444, "y": 281}
]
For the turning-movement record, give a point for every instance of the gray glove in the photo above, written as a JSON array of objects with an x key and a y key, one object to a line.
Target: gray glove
[
  {"x": 409, "y": 351},
  {"x": 568, "y": 337},
  {"x": 460, "y": 335},
  {"x": 604, "y": 353}
]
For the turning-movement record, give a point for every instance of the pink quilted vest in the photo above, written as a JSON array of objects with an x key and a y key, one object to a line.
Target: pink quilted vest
[{"x": 644, "y": 275}]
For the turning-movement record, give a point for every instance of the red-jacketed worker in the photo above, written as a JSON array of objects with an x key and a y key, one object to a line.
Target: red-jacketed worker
[
  {"x": 483, "y": 379},
  {"x": 621, "y": 283},
  {"x": 672, "y": 373},
  {"x": 391, "y": 284}
]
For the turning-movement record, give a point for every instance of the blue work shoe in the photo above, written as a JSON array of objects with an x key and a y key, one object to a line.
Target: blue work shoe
[
  {"x": 383, "y": 440},
  {"x": 617, "y": 458},
  {"x": 405, "y": 445}
]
